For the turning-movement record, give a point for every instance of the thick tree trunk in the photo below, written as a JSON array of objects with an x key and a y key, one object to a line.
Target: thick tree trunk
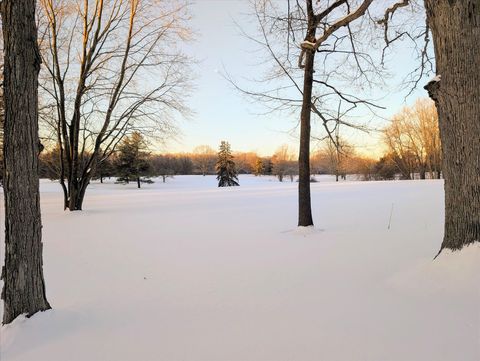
[
  {"x": 75, "y": 195},
  {"x": 72, "y": 196},
  {"x": 138, "y": 182},
  {"x": 24, "y": 286},
  {"x": 74, "y": 191},
  {"x": 304, "y": 201},
  {"x": 455, "y": 27}
]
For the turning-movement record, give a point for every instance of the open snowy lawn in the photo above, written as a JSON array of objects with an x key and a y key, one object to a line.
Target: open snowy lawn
[{"x": 187, "y": 271}]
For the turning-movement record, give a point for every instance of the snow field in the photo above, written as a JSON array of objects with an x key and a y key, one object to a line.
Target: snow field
[{"x": 187, "y": 271}]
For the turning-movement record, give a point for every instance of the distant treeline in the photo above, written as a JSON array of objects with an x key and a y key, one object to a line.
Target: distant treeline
[{"x": 282, "y": 165}]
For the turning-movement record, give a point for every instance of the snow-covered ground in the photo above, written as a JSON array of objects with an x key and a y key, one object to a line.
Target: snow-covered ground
[{"x": 187, "y": 271}]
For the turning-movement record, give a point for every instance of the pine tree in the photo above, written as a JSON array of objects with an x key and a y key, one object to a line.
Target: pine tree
[
  {"x": 105, "y": 168},
  {"x": 225, "y": 167},
  {"x": 258, "y": 168},
  {"x": 132, "y": 161}
]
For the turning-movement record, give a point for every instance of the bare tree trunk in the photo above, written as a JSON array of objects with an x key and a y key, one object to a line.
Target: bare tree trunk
[
  {"x": 75, "y": 196},
  {"x": 138, "y": 182},
  {"x": 24, "y": 286},
  {"x": 422, "y": 172},
  {"x": 455, "y": 28},
  {"x": 72, "y": 195},
  {"x": 65, "y": 193},
  {"x": 304, "y": 201},
  {"x": 81, "y": 195}
]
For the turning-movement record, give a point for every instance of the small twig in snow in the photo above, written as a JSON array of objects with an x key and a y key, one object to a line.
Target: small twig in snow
[{"x": 390, "y": 219}]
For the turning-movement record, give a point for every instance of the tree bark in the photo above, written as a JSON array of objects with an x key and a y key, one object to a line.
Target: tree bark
[
  {"x": 24, "y": 285},
  {"x": 304, "y": 200},
  {"x": 455, "y": 27},
  {"x": 75, "y": 197}
]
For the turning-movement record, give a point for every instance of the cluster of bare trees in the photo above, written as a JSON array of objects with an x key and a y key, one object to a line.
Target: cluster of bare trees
[
  {"x": 205, "y": 158},
  {"x": 413, "y": 141},
  {"x": 334, "y": 158},
  {"x": 413, "y": 149},
  {"x": 284, "y": 163}
]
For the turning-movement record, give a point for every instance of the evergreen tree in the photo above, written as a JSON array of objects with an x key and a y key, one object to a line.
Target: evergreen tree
[
  {"x": 267, "y": 166},
  {"x": 225, "y": 167},
  {"x": 132, "y": 161},
  {"x": 105, "y": 168},
  {"x": 258, "y": 168}
]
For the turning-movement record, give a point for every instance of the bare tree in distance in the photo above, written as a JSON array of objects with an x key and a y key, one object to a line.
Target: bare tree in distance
[
  {"x": 24, "y": 286},
  {"x": 399, "y": 148},
  {"x": 205, "y": 158},
  {"x": 337, "y": 155},
  {"x": 429, "y": 133},
  {"x": 284, "y": 163},
  {"x": 111, "y": 68},
  {"x": 245, "y": 161}
]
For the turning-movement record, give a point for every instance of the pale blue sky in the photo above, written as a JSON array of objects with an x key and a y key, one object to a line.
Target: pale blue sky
[{"x": 221, "y": 113}]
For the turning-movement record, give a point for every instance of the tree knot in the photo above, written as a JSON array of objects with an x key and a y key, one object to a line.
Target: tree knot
[{"x": 432, "y": 88}]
